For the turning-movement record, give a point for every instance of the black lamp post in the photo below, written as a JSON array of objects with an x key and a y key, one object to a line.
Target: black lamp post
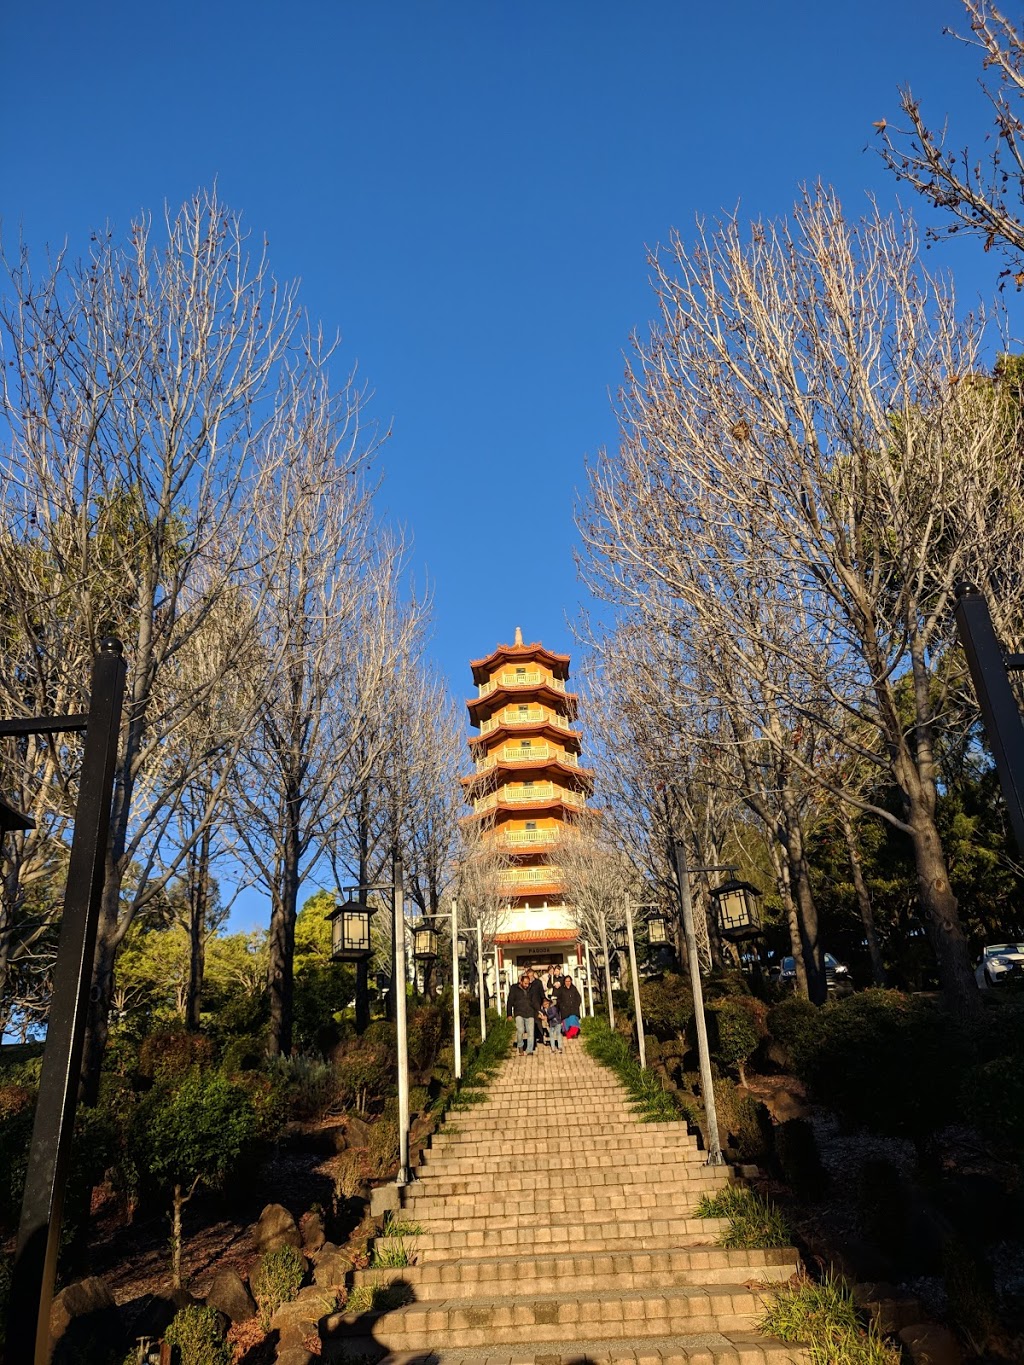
[
  {"x": 739, "y": 915},
  {"x": 350, "y": 942}
]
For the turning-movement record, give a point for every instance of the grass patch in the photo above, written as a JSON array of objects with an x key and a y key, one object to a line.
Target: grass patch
[
  {"x": 651, "y": 1102},
  {"x": 377, "y": 1298},
  {"x": 825, "y": 1319},
  {"x": 393, "y": 1256},
  {"x": 753, "y": 1221},
  {"x": 398, "y": 1227}
]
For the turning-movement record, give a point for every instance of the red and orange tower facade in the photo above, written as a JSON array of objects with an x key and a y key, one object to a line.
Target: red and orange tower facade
[{"x": 527, "y": 784}]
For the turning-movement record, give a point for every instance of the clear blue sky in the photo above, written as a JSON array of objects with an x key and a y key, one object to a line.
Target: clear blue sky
[{"x": 466, "y": 190}]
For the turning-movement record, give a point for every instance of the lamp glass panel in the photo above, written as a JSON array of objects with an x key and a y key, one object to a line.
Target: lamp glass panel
[
  {"x": 734, "y": 910},
  {"x": 355, "y": 930},
  {"x": 657, "y": 931}
]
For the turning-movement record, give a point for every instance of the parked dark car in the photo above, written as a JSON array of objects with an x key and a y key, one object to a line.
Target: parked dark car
[{"x": 837, "y": 974}]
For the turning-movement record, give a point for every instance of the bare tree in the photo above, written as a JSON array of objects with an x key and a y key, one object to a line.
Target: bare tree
[
  {"x": 329, "y": 604},
  {"x": 141, "y": 392},
  {"x": 983, "y": 196},
  {"x": 810, "y": 393}
]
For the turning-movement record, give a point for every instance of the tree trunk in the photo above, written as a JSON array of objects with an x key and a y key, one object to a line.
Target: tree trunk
[
  {"x": 860, "y": 887},
  {"x": 793, "y": 925},
  {"x": 198, "y": 910},
  {"x": 945, "y": 930},
  {"x": 281, "y": 944},
  {"x": 107, "y": 939},
  {"x": 176, "y": 1238},
  {"x": 803, "y": 898}
]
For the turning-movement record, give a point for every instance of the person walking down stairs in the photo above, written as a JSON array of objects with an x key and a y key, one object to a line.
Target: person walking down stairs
[
  {"x": 584, "y": 1251},
  {"x": 521, "y": 1008}
]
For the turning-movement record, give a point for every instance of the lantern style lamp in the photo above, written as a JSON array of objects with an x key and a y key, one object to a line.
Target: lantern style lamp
[
  {"x": 739, "y": 915},
  {"x": 657, "y": 928},
  {"x": 424, "y": 943},
  {"x": 462, "y": 949},
  {"x": 350, "y": 931},
  {"x": 620, "y": 939},
  {"x": 599, "y": 958}
]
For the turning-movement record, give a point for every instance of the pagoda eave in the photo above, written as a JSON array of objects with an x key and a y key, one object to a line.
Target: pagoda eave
[
  {"x": 510, "y": 729},
  {"x": 503, "y": 695},
  {"x": 517, "y": 654}
]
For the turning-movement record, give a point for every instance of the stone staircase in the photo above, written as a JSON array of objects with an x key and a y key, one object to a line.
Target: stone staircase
[{"x": 558, "y": 1229}]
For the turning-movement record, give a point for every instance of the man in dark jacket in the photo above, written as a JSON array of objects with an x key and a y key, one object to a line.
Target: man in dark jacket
[{"x": 521, "y": 1008}]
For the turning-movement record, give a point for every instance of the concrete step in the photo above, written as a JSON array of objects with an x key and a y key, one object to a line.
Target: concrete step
[
  {"x": 444, "y": 1182},
  {"x": 560, "y": 1317},
  {"x": 705, "y": 1348},
  {"x": 629, "y": 1201},
  {"x": 590, "y": 1272},
  {"x": 630, "y": 1157},
  {"x": 660, "y": 1234},
  {"x": 635, "y": 1139}
]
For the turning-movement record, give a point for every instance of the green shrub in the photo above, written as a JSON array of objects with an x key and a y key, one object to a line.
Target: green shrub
[
  {"x": 883, "y": 1060},
  {"x": 792, "y": 1024},
  {"x": 308, "y": 1084},
  {"x": 740, "y": 1123},
  {"x": 382, "y": 1149},
  {"x": 824, "y": 1318},
  {"x": 17, "y": 1110},
  {"x": 736, "y": 1026},
  {"x": 195, "y": 1338},
  {"x": 167, "y": 1054},
  {"x": 429, "y": 1027},
  {"x": 796, "y": 1150},
  {"x": 753, "y": 1221},
  {"x": 667, "y": 1006},
  {"x": 277, "y": 1279},
  {"x": 365, "y": 1072},
  {"x": 970, "y": 1291},
  {"x": 992, "y": 1095},
  {"x": 246, "y": 1053},
  {"x": 725, "y": 983}
]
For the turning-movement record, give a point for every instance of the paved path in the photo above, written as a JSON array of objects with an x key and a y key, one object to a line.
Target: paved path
[{"x": 558, "y": 1230}]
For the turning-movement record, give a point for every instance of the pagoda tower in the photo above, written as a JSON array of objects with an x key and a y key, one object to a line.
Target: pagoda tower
[{"x": 526, "y": 785}]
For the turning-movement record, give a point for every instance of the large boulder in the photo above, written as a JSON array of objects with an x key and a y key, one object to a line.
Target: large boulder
[
  {"x": 277, "y": 1228},
  {"x": 85, "y": 1322},
  {"x": 313, "y": 1235},
  {"x": 230, "y": 1295},
  {"x": 929, "y": 1344},
  {"x": 357, "y": 1131}
]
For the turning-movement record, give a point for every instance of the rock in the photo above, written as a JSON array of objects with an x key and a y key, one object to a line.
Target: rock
[
  {"x": 384, "y": 1199},
  {"x": 357, "y": 1131},
  {"x": 784, "y": 1105},
  {"x": 312, "y": 1229},
  {"x": 85, "y": 1323},
  {"x": 295, "y": 1355},
  {"x": 230, "y": 1295},
  {"x": 277, "y": 1228},
  {"x": 156, "y": 1311},
  {"x": 331, "y": 1269},
  {"x": 296, "y": 1322},
  {"x": 929, "y": 1344}
]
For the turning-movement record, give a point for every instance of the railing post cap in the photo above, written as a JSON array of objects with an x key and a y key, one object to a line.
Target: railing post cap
[{"x": 110, "y": 644}]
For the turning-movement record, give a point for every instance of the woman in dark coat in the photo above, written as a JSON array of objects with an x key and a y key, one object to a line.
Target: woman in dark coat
[{"x": 569, "y": 1002}]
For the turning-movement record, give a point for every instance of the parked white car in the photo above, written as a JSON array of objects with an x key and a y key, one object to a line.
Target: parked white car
[{"x": 1000, "y": 963}]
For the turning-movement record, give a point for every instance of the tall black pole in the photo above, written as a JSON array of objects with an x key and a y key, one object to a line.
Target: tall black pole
[
  {"x": 35, "y": 1264},
  {"x": 999, "y": 711}
]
